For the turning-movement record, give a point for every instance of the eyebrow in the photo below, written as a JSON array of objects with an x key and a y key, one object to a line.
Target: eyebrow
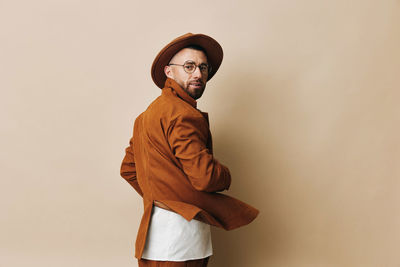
[{"x": 192, "y": 61}]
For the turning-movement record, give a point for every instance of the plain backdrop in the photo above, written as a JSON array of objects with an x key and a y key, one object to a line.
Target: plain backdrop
[{"x": 304, "y": 111}]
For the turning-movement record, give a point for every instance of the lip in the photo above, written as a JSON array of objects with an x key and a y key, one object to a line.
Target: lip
[{"x": 196, "y": 84}]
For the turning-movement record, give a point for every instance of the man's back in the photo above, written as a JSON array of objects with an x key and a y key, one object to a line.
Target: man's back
[{"x": 177, "y": 144}]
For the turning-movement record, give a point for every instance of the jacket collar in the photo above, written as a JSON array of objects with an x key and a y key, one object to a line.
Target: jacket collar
[{"x": 177, "y": 89}]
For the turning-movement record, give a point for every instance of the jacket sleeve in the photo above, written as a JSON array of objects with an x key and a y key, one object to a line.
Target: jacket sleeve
[
  {"x": 188, "y": 136},
  {"x": 128, "y": 168}
]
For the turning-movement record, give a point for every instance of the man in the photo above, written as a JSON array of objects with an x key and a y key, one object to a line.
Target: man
[{"x": 170, "y": 163}]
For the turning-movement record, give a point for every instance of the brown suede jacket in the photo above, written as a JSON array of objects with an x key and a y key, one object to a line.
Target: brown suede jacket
[{"x": 169, "y": 159}]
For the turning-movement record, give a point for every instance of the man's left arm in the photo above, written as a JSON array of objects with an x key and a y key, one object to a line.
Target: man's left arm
[{"x": 188, "y": 138}]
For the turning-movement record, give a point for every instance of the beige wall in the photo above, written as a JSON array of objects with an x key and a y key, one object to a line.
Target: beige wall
[{"x": 304, "y": 111}]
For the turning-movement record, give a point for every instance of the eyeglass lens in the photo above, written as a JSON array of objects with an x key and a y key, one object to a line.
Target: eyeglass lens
[{"x": 190, "y": 67}]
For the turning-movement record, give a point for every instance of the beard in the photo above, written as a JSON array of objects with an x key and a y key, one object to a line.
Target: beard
[{"x": 195, "y": 89}]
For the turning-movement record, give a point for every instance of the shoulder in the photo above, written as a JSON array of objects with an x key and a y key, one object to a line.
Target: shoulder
[{"x": 170, "y": 107}]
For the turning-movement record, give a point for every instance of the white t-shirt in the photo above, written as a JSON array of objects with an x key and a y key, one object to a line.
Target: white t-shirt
[{"x": 172, "y": 238}]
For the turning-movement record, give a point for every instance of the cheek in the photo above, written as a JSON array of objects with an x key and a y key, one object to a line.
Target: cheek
[{"x": 186, "y": 78}]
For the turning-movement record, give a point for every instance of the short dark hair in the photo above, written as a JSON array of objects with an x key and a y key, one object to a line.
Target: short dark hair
[{"x": 197, "y": 47}]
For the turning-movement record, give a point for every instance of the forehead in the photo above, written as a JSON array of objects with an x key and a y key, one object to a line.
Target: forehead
[{"x": 189, "y": 54}]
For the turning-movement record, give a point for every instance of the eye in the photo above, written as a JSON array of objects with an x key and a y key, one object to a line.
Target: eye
[
  {"x": 203, "y": 67},
  {"x": 189, "y": 66}
]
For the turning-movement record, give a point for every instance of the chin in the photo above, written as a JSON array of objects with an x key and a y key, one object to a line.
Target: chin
[{"x": 196, "y": 95}]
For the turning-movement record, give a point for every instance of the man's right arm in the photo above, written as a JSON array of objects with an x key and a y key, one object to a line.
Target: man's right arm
[{"x": 128, "y": 168}]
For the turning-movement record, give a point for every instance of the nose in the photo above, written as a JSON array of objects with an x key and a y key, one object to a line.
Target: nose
[{"x": 197, "y": 73}]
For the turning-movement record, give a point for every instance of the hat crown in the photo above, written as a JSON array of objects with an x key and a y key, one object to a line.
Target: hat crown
[{"x": 183, "y": 36}]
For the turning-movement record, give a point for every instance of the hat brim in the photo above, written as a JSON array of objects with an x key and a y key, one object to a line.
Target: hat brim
[{"x": 212, "y": 48}]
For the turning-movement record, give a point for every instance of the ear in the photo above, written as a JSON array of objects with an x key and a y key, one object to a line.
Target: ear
[{"x": 168, "y": 71}]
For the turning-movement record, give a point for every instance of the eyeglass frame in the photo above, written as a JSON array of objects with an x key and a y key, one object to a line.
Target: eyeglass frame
[{"x": 196, "y": 66}]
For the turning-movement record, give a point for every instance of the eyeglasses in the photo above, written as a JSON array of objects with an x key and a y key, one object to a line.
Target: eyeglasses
[{"x": 190, "y": 67}]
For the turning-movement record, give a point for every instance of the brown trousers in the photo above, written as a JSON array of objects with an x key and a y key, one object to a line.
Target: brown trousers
[{"x": 191, "y": 263}]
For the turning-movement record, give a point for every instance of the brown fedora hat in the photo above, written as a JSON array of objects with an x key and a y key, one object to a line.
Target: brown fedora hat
[{"x": 212, "y": 48}]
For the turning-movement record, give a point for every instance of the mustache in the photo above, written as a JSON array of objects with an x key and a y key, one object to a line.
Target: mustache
[{"x": 196, "y": 81}]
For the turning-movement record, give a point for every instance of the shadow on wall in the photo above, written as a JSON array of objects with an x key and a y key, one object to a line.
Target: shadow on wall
[{"x": 244, "y": 140}]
